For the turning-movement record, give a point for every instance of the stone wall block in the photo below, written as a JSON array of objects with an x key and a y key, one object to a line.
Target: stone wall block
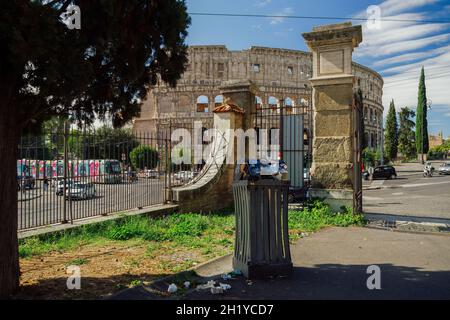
[{"x": 336, "y": 149}]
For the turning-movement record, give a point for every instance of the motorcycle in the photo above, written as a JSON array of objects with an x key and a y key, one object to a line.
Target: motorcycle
[{"x": 428, "y": 172}]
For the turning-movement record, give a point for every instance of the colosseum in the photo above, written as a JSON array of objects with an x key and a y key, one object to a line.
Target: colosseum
[{"x": 279, "y": 74}]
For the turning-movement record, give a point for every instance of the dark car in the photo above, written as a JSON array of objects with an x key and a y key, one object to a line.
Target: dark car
[
  {"x": 382, "y": 172},
  {"x": 25, "y": 182}
]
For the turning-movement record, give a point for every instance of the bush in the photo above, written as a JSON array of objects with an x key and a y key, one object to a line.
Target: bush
[
  {"x": 438, "y": 152},
  {"x": 144, "y": 157},
  {"x": 373, "y": 158}
]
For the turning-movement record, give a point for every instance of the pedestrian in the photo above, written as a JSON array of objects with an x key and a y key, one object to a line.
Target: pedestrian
[{"x": 45, "y": 184}]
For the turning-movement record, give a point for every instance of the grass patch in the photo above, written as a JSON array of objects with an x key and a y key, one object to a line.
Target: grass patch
[
  {"x": 77, "y": 262},
  {"x": 317, "y": 215},
  {"x": 188, "y": 229},
  {"x": 212, "y": 233}
]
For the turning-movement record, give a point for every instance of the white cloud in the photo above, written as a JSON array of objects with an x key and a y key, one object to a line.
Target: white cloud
[
  {"x": 401, "y": 48},
  {"x": 407, "y": 57},
  {"x": 391, "y": 7},
  {"x": 263, "y": 3},
  {"x": 279, "y": 18},
  {"x": 395, "y": 6}
]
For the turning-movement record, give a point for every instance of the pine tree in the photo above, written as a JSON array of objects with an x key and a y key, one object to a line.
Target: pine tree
[
  {"x": 422, "y": 145},
  {"x": 104, "y": 68},
  {"x": 406, "y": 134},
  {"x": 391, "y": 133}
]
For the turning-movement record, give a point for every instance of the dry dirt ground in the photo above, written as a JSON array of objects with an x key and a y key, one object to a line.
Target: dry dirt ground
[{"x": 106, "y": 268}]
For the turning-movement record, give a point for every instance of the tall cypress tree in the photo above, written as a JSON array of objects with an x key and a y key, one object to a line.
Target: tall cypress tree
[
  {"x": 422, "y": 145},
  {"x": 391, "y": 134}
]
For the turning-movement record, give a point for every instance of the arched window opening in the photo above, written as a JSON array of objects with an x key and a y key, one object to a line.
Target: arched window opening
[
  {"x": 202, "y": 104},
  {"x": 289, "y": 105},
  {"x": 258, "y": 103},
  {"x": 218, "y": 100},
  {"x": 273, "y": 103}
]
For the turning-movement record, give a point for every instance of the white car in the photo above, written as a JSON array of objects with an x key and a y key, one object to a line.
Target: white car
[
  {"x": 152, "y": 174},
  {"x": 444, "y": 168},
  {"x": 60, "y": 186},
  {"x": 81, "y": 191},
  {"x": 184, "y": 175}
]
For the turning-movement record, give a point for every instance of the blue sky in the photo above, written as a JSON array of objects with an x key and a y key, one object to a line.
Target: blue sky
[{"x": 397, "y": 50}]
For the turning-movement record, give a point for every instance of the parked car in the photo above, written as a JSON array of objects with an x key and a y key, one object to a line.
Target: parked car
[
  {"x": 131, "y": 176},
  {"x": 184, "y": 175},
  {"x": 152, "y": 174},
  {"x": 81, "y": 191},
  {"x": 60, "y": 186},
  {"x": 444, "y": 168},
  {"x": 25, "y": 182},
  {"x": 381, "y": 172}
]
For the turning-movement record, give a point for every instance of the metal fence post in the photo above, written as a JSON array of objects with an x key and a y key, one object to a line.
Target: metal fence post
[
  {"x": 169, "y": 165},
  {"x": 66, "y": 138}
]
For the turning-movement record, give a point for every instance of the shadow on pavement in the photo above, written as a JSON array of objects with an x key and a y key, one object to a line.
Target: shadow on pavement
[
  {"x": 336, "y": 281},
  {"x": 91, "y": 287}
]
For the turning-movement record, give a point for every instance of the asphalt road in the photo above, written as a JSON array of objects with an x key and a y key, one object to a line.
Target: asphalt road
[
  {"x": 39, "y": 207},
  {"x": 409, "y": 195}
]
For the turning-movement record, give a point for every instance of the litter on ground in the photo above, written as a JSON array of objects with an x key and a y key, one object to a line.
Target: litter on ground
[{"x": 172, "y": 288}]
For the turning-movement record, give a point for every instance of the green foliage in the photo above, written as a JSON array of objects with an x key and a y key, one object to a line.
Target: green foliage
[
  {"x": 439, "y": 152},
  {"x": 422, "y": 145},
  {"x": 77, "y": 262},
  {"x": 186, "y": 229},
  {"x": 368, "y": 157},
  {"x": 34, "y": 147},
  {"x": 103, "y": 69},
  {"x": 109, "y": 143},
  {"x": 144, "y": 157},
  {"x": 391, "y": 133},
  {"x": 190, "y": 230},
  {"x": 99, "y": 69},
  {"x": 318, "y": 215},
  {"x": 406, "y": 135}
]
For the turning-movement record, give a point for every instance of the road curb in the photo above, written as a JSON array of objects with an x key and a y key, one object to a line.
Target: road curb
[{"x": 156, "y": 210}]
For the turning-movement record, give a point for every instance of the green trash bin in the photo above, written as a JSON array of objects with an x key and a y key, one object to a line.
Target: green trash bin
[{"x": 262, "y": 238}]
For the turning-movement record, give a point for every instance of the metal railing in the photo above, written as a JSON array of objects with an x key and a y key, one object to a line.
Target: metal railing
[
  {"x": 65, "y": 176},
  {"x": 183, "y": 173}
]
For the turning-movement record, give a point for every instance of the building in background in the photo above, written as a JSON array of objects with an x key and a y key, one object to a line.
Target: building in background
[
  {"x": 280, "y": 74},
  {"x": 436, "y": 140}
]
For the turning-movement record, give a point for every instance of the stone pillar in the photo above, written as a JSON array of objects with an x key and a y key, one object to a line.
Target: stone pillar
[
  {"x": 332, "y": 82},
  {"x": 241, "y": 93},
  {"x": 213, "y": 189}
]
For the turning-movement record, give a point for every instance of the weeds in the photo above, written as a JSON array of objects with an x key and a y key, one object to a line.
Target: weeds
[{"x": 210, "y": 233}]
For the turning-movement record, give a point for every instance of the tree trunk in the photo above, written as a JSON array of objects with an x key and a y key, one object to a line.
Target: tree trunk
[{"x": 9, "y": 255}]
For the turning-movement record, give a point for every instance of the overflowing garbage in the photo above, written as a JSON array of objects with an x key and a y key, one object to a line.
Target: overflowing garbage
[{"x": 264, "y": 169}]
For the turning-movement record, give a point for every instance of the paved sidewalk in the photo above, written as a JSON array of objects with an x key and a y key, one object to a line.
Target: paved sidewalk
[{"x": 332, "y": 264}]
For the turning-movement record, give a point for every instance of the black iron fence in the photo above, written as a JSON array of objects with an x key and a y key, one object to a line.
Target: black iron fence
[
  {"x": 65, "y": 176},
  {"x": 273, "y": 119},
  {"x": 190, "y": 132}
]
